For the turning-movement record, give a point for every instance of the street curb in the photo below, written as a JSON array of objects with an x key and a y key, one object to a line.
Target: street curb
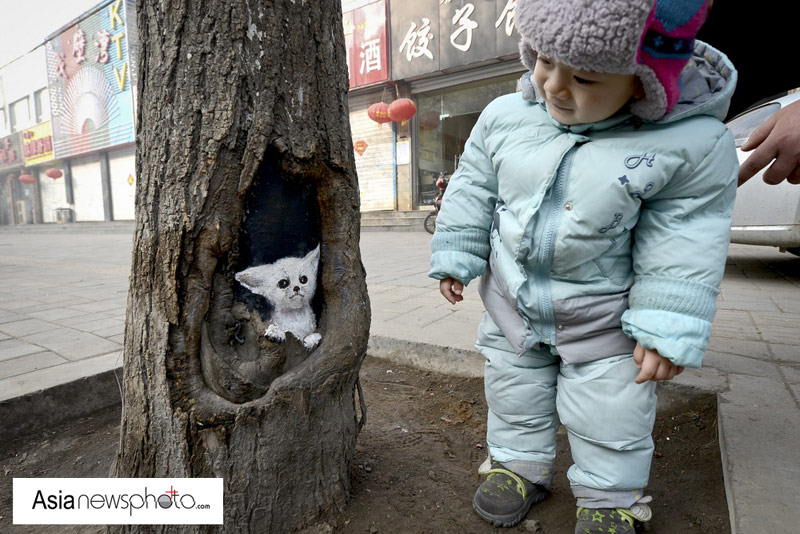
[
  {"x": 42, "y": 409},
  {"x": 428, "y": 357}
]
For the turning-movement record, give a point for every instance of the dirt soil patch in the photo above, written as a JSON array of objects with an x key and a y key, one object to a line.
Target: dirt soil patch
[{"x": 416, "y": 462}]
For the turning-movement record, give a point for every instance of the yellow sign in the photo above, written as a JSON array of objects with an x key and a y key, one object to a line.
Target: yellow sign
[{"x": 37, "y": 144}]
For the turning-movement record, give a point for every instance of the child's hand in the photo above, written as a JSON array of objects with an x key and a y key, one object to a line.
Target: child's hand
[
  {"x": 451, "y": 290},
  {"x": 653, "y": 366}
]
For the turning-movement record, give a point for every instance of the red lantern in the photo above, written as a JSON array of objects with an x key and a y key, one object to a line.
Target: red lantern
[
  {"x": 55, "y": 174},
  {"x": 401, "y": 110},
  {"x": 428, "y": 120},
  {"x": 379, "y": 112},
  {"x": 26, "y": 178}
]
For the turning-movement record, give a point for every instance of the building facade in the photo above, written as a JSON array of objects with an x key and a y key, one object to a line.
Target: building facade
[
  {"x": 67, "y": 108},
  {"x": 451, "y": 57},
  {"x": 67, "y": 123}
]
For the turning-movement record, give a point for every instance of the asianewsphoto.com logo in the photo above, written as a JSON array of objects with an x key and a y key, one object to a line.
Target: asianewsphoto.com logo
[
  {"x": 137, "y": 501},
  {"x": 118, "y": 501}
]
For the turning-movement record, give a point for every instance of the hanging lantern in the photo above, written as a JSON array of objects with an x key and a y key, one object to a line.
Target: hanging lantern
[
  {"x": 55, "y": 174},
  {"x": 401, "y": 110},
  {"x": 428, "y": 120},
  {"x": 379, "y": 112},
  {"x": 26, "y": 178}
]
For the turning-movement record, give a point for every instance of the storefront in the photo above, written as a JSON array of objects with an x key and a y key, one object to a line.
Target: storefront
[
  {"x": 367, "y": 46},
  {"x": 91, "y": 83},
  {"x": 446, "y": 118},
  {"x": 18, "y": 194},
  {"x": 455, "y": 57}
]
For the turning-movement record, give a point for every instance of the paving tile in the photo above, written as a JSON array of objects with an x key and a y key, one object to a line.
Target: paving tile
[
  {"x": 791, "y": 374},
  {"x": 56, "y": 313},
  {"x": 100, "y": 306},
  {"x": 90, "y": 321},
  {"x": 29, "y": 363},
  {"x": 759, "y": 450},
  {"x": 20, "y": 302},
  {"x": 735, "y": 324},
  {"x": 112, "y": 332},
  {"x": 60, "y": 374},
  {"x": 14, "y": 348},
  {"x": 11, "y": 317},
  {"x": 73, "y": 344},
  {"x": 742, "y": 347},
  {"x": 789, "y": 353},
  {"x": 740, "y": 365},
  {"x": 26, "y": 327}
]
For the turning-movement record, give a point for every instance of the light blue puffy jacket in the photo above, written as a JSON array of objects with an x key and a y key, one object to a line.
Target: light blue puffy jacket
[{"x": 581, "y": 229}]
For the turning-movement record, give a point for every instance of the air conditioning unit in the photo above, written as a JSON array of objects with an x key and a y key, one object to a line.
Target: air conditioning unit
[{"x": 63, "y": 215}]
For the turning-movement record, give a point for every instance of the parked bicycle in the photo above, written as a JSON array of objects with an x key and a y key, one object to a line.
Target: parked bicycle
[{"x": 430, "y": 220}]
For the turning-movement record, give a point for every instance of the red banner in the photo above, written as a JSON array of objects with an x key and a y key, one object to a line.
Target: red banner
[{"x": 367, "y": 44}]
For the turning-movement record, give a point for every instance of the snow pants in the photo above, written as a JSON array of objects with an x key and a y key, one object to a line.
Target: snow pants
[{"x": 609, "y": 421}]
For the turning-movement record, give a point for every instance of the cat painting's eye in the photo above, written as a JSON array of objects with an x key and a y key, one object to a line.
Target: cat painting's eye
[
  {"x": 303, "y": 279},
  {"x": 283, "y": 283}
]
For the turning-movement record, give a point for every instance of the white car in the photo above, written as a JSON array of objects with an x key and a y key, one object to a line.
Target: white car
[{"x": 764, "y": 214}]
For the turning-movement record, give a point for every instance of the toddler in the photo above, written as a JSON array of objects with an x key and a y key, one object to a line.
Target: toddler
[{"x": 596, "y": 204}]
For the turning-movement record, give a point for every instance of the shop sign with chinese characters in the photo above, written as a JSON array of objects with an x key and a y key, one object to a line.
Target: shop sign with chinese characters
[
  {"x": 366, "y": 43},
  {"x": 11, "y": 152},
  {"x": 37, "y": 144},
  {"x": 89, "y": 80},
  {"x": 435, "y": 35}
]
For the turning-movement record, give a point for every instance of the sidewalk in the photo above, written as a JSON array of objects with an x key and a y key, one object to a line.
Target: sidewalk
[{"x": 62, "y": 314}]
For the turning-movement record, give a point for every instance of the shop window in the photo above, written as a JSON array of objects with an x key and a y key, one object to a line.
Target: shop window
[{"x": 444, "y": 121}]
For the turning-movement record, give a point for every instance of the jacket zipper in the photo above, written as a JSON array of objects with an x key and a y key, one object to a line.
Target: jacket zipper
[{"x": 547, "y": 250}]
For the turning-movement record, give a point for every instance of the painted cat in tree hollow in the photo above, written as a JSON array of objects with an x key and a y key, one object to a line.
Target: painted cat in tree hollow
[{"x": 289, "y": 285}]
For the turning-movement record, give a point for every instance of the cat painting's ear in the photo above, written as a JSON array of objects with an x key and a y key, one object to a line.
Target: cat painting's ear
[
  {"x": 312, "y": 258},
  {"x": 247, "y": 278}
]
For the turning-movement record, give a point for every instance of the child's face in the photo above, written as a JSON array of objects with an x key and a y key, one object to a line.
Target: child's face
[{"x": 576, "y": 96}]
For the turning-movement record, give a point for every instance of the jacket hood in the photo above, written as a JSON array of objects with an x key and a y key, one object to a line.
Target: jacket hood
[{"x": 707, "y": 84}]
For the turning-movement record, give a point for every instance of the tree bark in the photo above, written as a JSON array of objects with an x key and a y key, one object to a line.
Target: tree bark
[{"x": 244, "y": 155}]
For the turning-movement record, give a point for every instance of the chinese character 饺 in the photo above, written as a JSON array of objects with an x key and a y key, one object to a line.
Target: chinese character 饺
[
  {"x": 79, "y": 46},
  {"x": 102, "y": 43},
  {"x": 370, "y": 56},
  {"x": 508, "y": 15},
  {"x": 416, "y": 40},
  {"x": 464, "y": 25}
]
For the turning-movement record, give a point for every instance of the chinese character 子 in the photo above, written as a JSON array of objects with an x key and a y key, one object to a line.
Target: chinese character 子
[
  {"x": 464, "y": 25},
  {"x": 508, "y": 15},
  {"x": 79, "y": 46},
  {"x": 370, "y": 56},
  {"x": 102, "y": 43},
  {"x": 416, "y": 40}
]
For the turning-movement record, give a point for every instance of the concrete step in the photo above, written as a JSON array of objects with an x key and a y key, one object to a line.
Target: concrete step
[{"x": 394, "y": 221}]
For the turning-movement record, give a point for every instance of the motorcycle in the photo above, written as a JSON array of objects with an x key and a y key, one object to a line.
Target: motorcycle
[{"x": 430, "y": 220}]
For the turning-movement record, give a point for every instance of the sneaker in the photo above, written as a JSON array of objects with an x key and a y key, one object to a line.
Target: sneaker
[
  {"x": 504, "y": 498},
  {"x": 611, "y": 520}
]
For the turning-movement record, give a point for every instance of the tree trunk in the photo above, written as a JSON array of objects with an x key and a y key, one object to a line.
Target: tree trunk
[{"x": 244, "y": 157}]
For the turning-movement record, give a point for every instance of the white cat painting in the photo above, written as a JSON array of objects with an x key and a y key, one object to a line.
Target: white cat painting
[{"x": 289, "y": 285}]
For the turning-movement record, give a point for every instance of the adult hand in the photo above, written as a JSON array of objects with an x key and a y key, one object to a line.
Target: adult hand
[
  {"x": 452, "y": 290},
  {"x": 653, "y": 366},
  {"x": 777, "y": 139}
]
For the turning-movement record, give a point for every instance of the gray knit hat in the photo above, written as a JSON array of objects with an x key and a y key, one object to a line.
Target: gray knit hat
[{"x": 652, "y": 39}]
